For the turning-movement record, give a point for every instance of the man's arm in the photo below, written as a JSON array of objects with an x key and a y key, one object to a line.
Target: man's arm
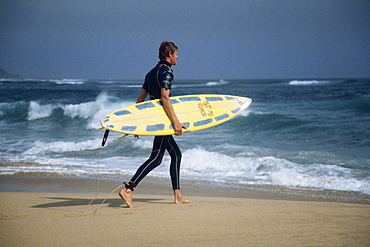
[
  {"x": 165, "y": 97},
  {"x": 142, "y": 96}
]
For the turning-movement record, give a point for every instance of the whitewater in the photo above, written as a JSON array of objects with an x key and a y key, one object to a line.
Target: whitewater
[{"x": 297, "y": 134}]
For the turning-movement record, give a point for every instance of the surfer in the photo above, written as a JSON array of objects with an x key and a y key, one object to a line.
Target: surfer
[{"x": 158, "y": 84}]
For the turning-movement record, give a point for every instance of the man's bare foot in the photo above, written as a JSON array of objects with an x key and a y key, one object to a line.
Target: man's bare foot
[
  {"x": 178, "y": 198},
  {"x": 126, "y": 195},
  {"x": 181, "y": 201}
]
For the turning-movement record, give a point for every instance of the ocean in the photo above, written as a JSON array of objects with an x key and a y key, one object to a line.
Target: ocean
[{"x": 297, "y": 135}]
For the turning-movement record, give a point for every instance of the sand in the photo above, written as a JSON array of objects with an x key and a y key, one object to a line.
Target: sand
[{"x": 64, "y": 219}]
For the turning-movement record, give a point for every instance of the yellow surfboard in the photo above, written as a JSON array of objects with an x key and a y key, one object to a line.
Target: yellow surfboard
[{"x": 196, "y": 112}]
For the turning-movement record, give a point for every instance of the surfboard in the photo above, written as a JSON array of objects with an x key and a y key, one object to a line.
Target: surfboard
[{"x": 196, "y": 112}]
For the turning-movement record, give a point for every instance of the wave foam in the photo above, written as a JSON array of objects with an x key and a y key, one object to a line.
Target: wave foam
[
  {"x": 312, "y": 82},
  {"x": 268, "y": 170},
  {"x": 40, "y": 147},
  {"x": 70, "y": 81},
  {"x": 292, "y": 178},
  {"x": 217, "y": 83},
  {"x": 103, "y": 105},
  {"x": 37, "y": 111},
  {"x": 94, "y": 110},
  {"x": 83, "y": 110}
]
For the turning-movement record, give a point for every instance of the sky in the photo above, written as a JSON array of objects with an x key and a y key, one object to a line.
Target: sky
[{"x": 219, "y": 39}]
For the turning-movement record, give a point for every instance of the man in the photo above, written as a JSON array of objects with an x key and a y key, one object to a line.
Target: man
[{"x": 158, "y": 84}]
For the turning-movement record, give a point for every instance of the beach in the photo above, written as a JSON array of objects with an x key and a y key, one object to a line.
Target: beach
[{"x": 244, "y": 219}]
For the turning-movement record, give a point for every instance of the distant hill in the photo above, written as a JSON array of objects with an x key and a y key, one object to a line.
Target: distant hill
[{"x": 6, "y": 75}]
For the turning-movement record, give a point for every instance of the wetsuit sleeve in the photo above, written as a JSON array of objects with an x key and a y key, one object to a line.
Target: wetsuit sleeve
[
  {"x": 145, "y": 85},
  {"x": 165, "y": 79}
]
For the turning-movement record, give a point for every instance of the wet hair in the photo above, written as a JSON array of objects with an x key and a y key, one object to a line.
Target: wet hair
[{"x": 166, "y": 48}]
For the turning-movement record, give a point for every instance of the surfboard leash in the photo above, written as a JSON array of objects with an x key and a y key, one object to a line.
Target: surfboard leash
[{"x": 79, "y": 214}]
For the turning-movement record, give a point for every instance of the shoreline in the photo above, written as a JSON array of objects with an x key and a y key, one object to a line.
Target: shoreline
[{"x": 161, "y": 186}]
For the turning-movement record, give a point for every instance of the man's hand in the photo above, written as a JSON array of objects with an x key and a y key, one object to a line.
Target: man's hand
[{"x": 178, "y": 128}]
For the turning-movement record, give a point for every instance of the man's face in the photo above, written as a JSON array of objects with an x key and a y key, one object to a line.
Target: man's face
[{"x": 173, "y": 57}]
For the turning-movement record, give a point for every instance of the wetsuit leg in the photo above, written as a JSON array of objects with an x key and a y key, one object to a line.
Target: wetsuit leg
[
  {"x": 175, "y": 153},
  {"x": 155, "y": 159}
]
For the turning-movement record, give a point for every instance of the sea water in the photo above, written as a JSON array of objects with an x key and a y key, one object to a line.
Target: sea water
[{"x": 296, "y": 134}]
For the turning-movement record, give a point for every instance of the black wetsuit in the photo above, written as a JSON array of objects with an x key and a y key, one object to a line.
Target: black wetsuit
[{"x": 161, "y": 76}]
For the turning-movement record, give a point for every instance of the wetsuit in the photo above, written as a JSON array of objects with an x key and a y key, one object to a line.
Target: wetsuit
[{"x": 161, "y": 76}]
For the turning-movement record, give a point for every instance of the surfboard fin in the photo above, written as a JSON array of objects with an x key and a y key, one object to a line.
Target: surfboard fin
[
  {"x": 105, "y": 137},
  {"x": 123, "y": 136}
]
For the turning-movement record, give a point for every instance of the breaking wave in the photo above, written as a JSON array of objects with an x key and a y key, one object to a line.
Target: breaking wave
[{"x": 309, "y": 82}]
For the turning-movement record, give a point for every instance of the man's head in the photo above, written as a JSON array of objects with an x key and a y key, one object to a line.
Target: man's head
[{"x": 168, "y": 52}]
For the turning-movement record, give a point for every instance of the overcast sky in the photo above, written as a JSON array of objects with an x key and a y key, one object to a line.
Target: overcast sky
[{"x": 245, "y": 39}]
